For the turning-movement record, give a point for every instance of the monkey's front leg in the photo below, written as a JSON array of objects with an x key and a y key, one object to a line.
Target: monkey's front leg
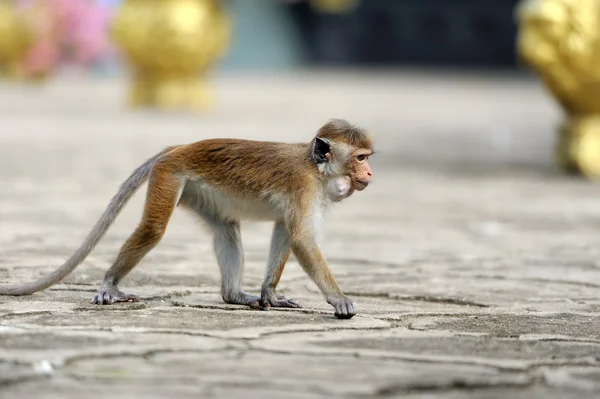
[
  {"x": 230, "y": 257},
  {"x": 278, "y": 256},
  {"x": 314, "y": 264}
]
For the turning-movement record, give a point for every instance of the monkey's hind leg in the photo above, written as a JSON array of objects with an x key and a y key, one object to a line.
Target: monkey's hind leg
[
  {"x": 163, "y": 193},
  {"x": 278, "y": 256}
]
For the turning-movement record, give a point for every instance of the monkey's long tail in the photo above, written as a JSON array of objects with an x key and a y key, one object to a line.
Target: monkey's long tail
[{"x": 126, "y": 191}]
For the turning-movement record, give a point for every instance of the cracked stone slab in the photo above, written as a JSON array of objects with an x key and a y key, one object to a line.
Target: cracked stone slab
[
  {"x": 478, "y": 225},
  {"x": 303, "y": 374},
  {"x": 476, "y": 346},
  {"x": 61, "y": 387},
  {"x": 505, "y": 325},
  {"x": 383, "y": 308},
  {"x": 231, "y": 322},
  {"x": 581, "y": 378},
  {"x": 438, "y": 346},
  {"x": 528, "y": 392},
  {"x": 13, "y": 373},
  {"x": 479, "y": 291},
  {"x": 66, "y": 297},
  {"x": 34, "y": 306},
  {"x": 56, "y": 348}
]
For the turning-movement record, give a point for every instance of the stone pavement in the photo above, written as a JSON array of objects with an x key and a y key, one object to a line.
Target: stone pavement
[{"x": 472, "y": 261}]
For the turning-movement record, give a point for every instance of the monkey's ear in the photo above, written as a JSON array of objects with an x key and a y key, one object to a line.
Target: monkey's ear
[{"x": 321, "y": 148}]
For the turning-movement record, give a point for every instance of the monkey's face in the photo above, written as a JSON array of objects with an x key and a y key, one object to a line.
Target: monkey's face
[
  {"x": 359, "y": 170},
  {"x": 345, "y": 162}
]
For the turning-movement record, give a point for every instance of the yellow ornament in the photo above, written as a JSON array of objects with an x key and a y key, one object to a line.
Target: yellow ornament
[
  {"x": 560, "y": 39},
  {"x": 170, "y": 46},
  {"x": 334, "y": 6},
  {"x": 15, "y": 38}
]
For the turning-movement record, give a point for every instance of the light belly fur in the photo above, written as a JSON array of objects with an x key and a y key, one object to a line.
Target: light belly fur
[{"x": 209, "y": 200}]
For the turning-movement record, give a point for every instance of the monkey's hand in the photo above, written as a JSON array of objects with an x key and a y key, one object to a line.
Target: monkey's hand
[
  {"x": 344, "y": 308},
  {"x": 270, "y": 299}
]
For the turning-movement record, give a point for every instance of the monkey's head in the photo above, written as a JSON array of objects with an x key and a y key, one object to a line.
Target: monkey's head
[{"x": 341, "y": 151}]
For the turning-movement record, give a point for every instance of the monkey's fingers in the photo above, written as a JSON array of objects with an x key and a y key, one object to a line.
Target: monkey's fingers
[
  {"x": 279, "y": 301},
  {"x": 104, "y": 297},
  {"x": 285, "y": 303},
  {"x": 128, "y": 298},
  {"x": 344, "y": 309}
]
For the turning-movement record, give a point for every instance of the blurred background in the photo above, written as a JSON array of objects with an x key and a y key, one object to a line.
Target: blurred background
[
  {"x": 454, "y": 73},
  {"x": 284, "y": 34}
]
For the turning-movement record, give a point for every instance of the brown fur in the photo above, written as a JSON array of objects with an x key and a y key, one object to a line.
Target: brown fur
[
  {"x": 244, "y": 167},
  {"x": 341, "y": 131}
]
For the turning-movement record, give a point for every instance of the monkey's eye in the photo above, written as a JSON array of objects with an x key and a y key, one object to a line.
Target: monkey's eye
[{"x": 361, "y": 157}]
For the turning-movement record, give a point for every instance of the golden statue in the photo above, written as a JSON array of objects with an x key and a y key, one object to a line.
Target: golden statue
[
  {"x": 15, "y": 38},
  {"x": 560, "y": 39},
  {"x": 334, "y": 6},
  {"x": 170, "y": 45}
]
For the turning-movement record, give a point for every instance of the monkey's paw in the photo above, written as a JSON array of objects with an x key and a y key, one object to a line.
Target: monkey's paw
[
  {"x": 278, "y": 301},
  {"x": 344, "y": 308},
  {"x": 110, "y": 296},
  {"x": 241, "y": 298}
]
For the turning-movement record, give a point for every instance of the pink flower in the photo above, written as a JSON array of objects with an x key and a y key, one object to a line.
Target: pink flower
[{"x": 67, "y": 30}]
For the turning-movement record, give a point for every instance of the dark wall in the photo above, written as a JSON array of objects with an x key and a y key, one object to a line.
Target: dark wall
[{"x": 413, "y": 32}]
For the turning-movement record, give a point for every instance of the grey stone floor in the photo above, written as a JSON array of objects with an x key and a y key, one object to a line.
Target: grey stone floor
[{"x": 473, "y": 262}]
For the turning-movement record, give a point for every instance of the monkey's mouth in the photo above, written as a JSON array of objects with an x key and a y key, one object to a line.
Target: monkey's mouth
[{"x": 361, "y": 185}]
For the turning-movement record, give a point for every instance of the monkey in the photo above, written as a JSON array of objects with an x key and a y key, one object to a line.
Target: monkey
[{"x": 224, "y": 181}]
